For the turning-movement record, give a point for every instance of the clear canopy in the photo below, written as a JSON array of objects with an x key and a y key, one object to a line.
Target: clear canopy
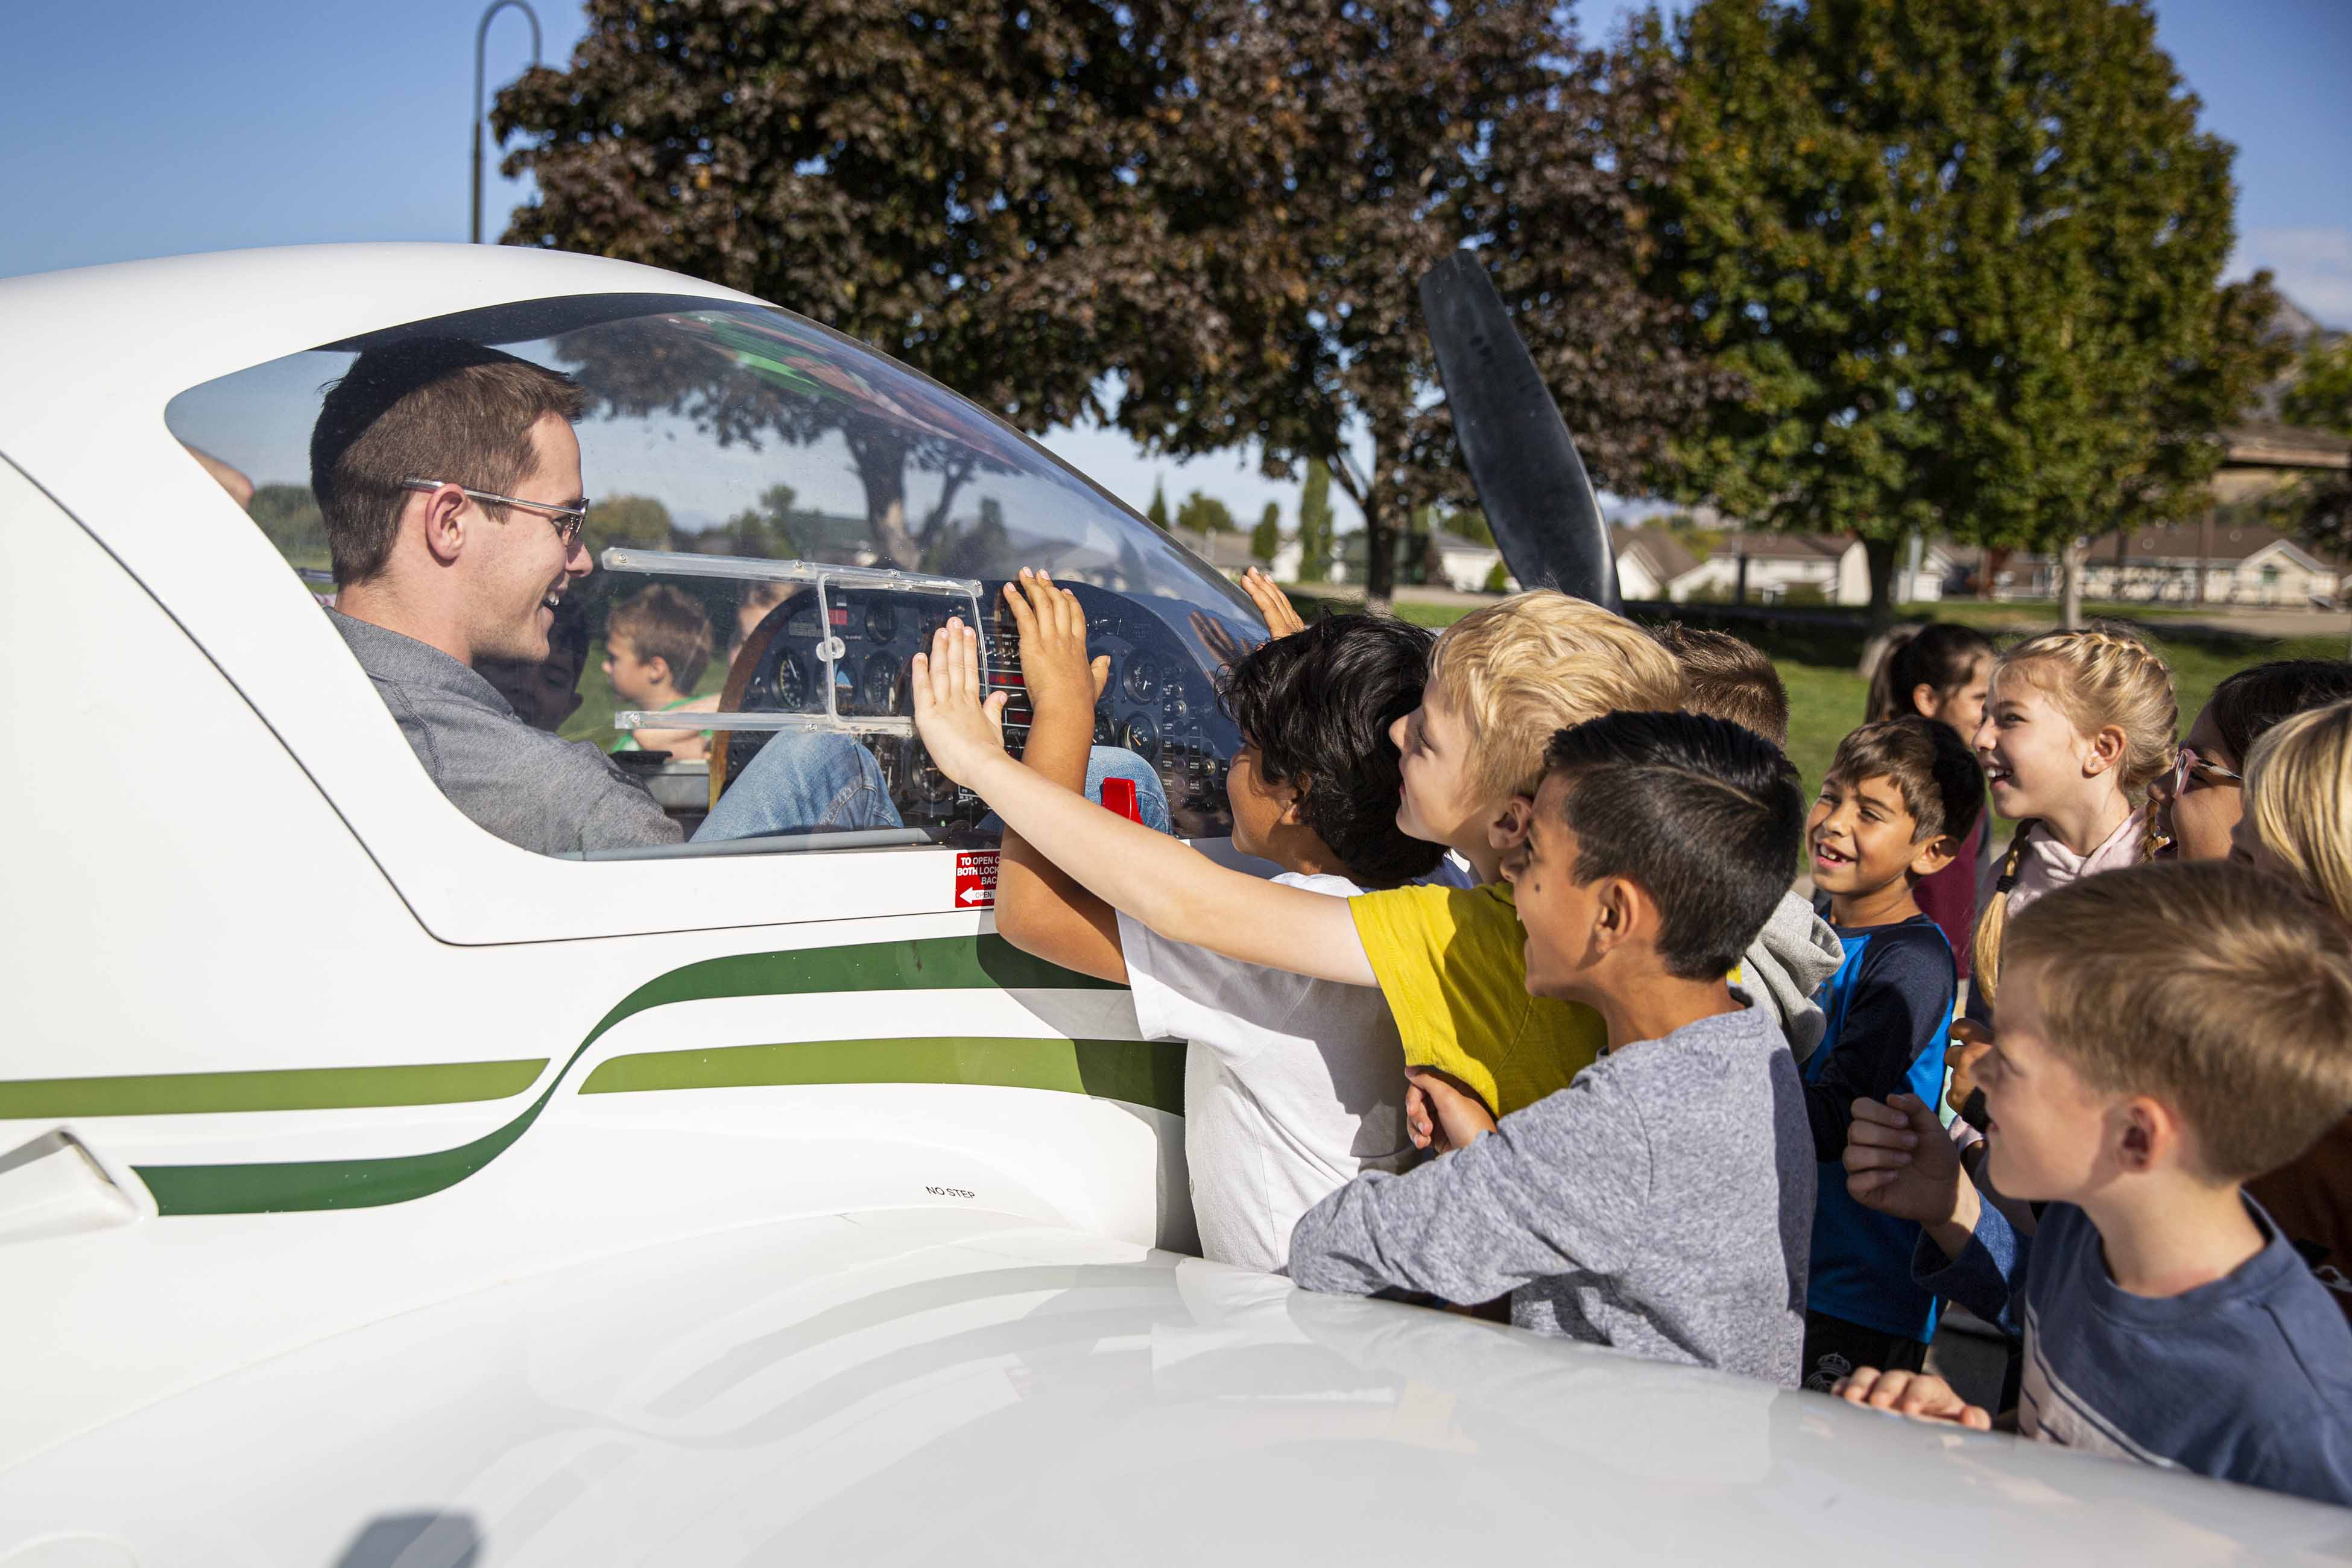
[{"x": 719, "y": 430}]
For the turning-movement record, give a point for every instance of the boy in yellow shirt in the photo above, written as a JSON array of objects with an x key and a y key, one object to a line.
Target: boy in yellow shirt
[{"x": 1450, "y": 959}]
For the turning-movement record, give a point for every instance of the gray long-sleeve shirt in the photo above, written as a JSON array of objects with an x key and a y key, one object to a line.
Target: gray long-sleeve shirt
[
  {"x": 1662, "y": 1203},
  {"x": 522, "y": 783}
]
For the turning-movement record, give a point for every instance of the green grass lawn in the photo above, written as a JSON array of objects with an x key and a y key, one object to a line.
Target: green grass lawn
[{"x": 1825, "y": 695}]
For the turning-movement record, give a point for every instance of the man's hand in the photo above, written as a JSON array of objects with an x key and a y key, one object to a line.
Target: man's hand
[
  {"x": 1053, "y": 663},
  {"x": 1441, "y": 1112},
  {"x": 1969, "y": 1042},
  {"x": 960, "y": 730},
  {"x": 1918, "y": 1394}
]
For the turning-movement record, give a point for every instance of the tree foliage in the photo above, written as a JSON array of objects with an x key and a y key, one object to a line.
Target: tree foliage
[
  {"x": 1204, "y": 514},
  {"x": 1327, "y": 158},
  {"x": 1227, "y": 202},
  {"x": 2319, "y": 508},
  {"x": 1314, "y": 523},
  {"x": 1963, "y": 254},
  {"x": 1157, "y": 510},
  {"x": 1265, "y": 539}
]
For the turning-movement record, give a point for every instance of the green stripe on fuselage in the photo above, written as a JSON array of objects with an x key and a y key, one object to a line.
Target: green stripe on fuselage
[
  {"x": 1137, "y": 1071},
  {"x": 934, "y": 964},
  {"x": 285, "y": 1089}
]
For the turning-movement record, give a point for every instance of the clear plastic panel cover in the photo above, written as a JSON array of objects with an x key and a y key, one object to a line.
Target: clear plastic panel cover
[{"x": 821, "y": 509}]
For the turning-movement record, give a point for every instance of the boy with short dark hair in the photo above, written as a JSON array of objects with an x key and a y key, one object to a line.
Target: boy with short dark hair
[
  {"x": 2165, "y": 1032},
  {"x": 1897, "y": 803},
  {"x": 657, "y": 645},
  {"x": 1659, "y": 1203},
  {"x": 1292, "y": 1085}
]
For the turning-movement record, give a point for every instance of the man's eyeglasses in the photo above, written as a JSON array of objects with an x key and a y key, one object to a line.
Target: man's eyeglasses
[{"x": 567, "y": 521}]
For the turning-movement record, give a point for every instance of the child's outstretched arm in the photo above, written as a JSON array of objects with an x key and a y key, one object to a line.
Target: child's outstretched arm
[
  {"x": 1181, "y": 895},
  {"x": 1039, "y": 908}
]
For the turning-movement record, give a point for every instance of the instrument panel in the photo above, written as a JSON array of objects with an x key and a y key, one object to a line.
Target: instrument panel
[{"x": 1158, "y": 701}]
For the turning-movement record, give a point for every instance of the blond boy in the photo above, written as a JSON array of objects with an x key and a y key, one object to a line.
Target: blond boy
[
  {"x": 1450, "y": 961},
  {"x": 2165, "y": 1033}
]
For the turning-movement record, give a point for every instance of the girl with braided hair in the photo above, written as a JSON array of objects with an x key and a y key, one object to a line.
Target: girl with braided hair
[{"x": 2077, "y": 725}]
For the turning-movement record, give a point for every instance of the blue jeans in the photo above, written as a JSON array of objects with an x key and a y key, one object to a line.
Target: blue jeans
[{"x": 818, "y": 781}]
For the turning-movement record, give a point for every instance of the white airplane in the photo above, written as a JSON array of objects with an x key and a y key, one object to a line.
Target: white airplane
[{"x": 373, "y": 1191}]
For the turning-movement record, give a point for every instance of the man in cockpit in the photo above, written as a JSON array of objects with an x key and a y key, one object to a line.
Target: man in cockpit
[{"x": 449, "y": 477}]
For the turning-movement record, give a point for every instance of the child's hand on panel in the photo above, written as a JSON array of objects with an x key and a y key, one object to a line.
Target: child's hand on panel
[
  {"x": 959, "y": 728},
  {"x": 1916, "y": 1394},
  {"x": 1441, "y": 1112},
  {"x": 1053, "y": 663}
]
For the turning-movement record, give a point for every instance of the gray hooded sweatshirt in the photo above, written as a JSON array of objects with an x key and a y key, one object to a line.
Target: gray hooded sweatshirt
[{"x": 1786, "y": 965}]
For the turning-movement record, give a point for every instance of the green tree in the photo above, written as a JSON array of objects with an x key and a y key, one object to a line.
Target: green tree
[
  {"x": 1265, "y": 539},
  {"x": 2320, "y": 397},
  {"x": 1962, "y": 255},
  {"x": 1314, "y": 523},
  {"x": 2319, "y": 508},
  {"x": 1325, "y": 157},
  {"x": 961, "y": 187},
  {"x": 1204, "y": 514},
  {"x": 290, "y": 516},
  {"x": 630, "y": 521},
  {"x": 1157, "y": 510}
]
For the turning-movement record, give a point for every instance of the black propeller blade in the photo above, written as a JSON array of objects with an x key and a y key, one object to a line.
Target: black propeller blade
[{"x": 1533, "y": 486}]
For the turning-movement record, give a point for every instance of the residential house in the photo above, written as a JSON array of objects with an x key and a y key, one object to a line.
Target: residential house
[
  {"x": 1777, "y": 568},
  {"x": 2240, "y": 563}
]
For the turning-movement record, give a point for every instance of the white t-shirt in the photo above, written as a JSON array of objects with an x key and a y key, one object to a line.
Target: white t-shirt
[{"x": 1291, "y": 1085}]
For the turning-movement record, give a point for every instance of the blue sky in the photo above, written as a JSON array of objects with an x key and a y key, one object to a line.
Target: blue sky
[{"x": 139, "y": 129}]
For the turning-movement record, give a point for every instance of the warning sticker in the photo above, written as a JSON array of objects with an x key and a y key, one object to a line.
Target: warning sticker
[{"x": 975, "y": 881}]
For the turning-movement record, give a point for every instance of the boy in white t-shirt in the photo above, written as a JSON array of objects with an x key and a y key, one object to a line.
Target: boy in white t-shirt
[{"x": 1292, "y": 1085}]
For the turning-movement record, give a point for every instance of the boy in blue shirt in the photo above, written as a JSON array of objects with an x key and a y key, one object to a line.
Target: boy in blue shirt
[
  {"x": 2164, "y": 1033},
  {"x": 1897, "y": 803}
]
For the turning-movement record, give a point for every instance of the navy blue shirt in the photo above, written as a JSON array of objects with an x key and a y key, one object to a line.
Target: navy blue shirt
[
  {"x": 2246, "y": 1379},
  {"x": 1888, "y": 1008}
]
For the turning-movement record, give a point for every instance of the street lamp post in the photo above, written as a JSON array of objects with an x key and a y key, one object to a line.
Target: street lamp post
[{"x": 482, "y": 37}]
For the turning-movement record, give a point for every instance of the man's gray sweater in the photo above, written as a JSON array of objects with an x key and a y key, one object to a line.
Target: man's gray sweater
[{"x": 1662, "y": 1203}]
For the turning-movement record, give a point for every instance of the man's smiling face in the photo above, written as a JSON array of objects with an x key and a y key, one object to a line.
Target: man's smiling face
[{"x": 525, "y": 568}]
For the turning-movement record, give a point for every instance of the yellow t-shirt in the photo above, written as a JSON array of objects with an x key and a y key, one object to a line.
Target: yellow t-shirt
[{"x": 1452, "y": 963}]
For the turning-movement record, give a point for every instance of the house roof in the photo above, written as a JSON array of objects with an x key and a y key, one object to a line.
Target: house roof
[
  {"x": 1444, "y": 541},
  {"x": 2185, "y": 542},
  {"x": 1661, "y": 554},
  {"x": 1786, "y": 546}
]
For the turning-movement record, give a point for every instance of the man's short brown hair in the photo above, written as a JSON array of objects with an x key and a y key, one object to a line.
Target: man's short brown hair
[
  {"x": 1725, "y": 677},
  {"x": 1932, "y": 769},
  {"x": 2207, "y": 987},
  {"x": 432, "y": 408},
  {"x": 665, "y": 622}
]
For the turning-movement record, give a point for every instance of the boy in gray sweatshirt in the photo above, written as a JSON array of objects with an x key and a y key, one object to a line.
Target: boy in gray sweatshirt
[{"x": 1661, "y": 1203}]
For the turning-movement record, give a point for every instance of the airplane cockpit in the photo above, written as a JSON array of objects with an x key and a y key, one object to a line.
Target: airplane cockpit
[{"x": 819, "y": 510}]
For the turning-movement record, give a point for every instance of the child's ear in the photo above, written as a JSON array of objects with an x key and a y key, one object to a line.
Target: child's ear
[
  {"x": 2149, "y": 1135},
  {"x": 1617, "y": 914},
  {"x": 1932, "y": 856},
  {"x": 2107, "y": 749},
  {"x": 1294, "y": 800},
  {"x": 657, "y": 663}
]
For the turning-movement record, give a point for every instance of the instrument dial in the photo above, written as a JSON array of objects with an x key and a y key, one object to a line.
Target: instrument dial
[
  {"x": 1141, "y": 682},
  {"x": 881, "y": 620},
  {"x": 877, "y": 689}
]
